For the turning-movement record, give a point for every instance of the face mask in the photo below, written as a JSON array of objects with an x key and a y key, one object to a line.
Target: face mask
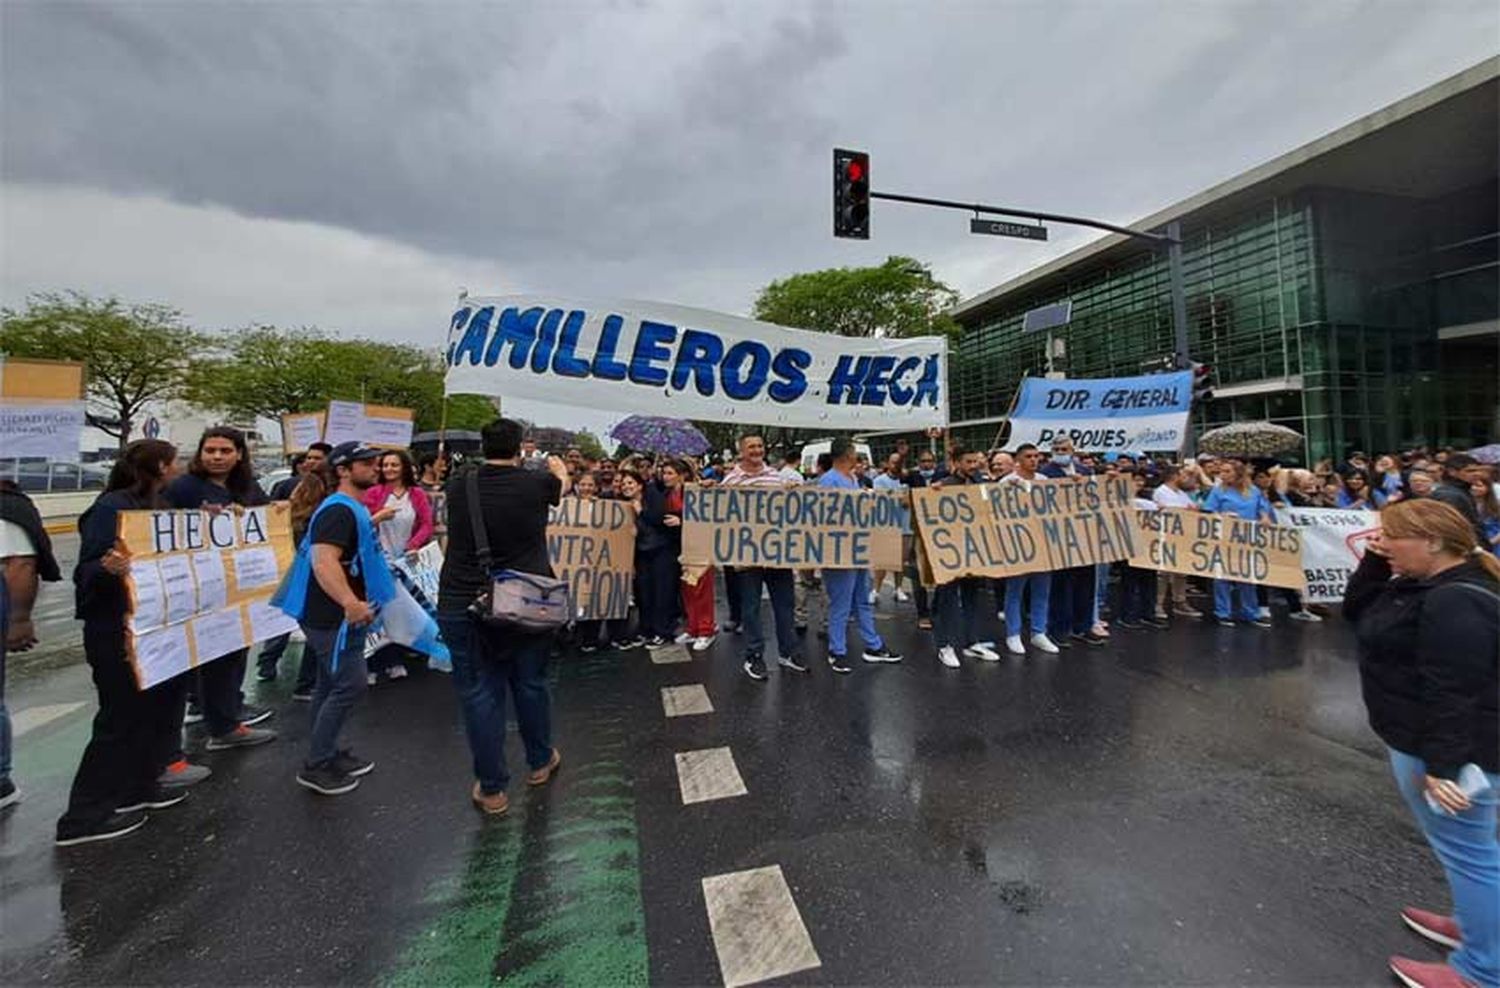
[
  {"x": 1062, "y": 459},
  {"x": 927, "y": 472}
]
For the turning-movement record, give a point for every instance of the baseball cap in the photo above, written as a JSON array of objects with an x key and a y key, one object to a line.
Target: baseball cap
[{"x": 352, "y": 452}]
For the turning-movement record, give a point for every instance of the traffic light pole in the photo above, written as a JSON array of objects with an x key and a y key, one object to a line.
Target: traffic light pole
[{"x": 1171, "y": 239}]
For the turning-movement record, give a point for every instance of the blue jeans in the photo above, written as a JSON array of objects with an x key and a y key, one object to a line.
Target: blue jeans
[
  {"x": 1234, "y": 600},
  {"x": 1465, "y": 845},
  {"x": 956, "y": 618},
  {"x": 783, "y": 605},
  {"x": 486, "y": 664},
  {"x": 341, "y": 681},
  {"x": 849, "y": 590},
  {"x": 1040, "y": 585}
]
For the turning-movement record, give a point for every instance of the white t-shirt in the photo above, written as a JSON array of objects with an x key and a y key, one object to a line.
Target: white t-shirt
[
  {"x": 1166, "y": 497},
  {"x": 14, "y": 541},
  {"x": 396, "y": 531}
]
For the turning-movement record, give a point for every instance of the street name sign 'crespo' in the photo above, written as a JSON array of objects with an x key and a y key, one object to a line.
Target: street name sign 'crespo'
[
  {"x": 688, "y": 363},
  {"x": 1000, "y": 228}
]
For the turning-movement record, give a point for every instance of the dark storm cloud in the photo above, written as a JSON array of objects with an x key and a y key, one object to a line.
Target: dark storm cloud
[{"x": 683, "y": 150}]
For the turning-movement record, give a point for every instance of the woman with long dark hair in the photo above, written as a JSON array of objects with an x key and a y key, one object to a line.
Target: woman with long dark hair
[
  {"x": 312, "y": 487},
  {"x": 1425, "y": 607},
  {"x": 117, "y": 782},
  {"x": 399, "y": 506},
  {"x": 219, "y": 478}
]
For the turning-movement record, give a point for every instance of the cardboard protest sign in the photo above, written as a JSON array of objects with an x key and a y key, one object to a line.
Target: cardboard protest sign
[
  {"x": 1008, "y": 529},
  {"x": 388, "y": 427},
  {"x": 790, "y": 528},
  {"x": 33, "y": 427},
  {"x": 1333, "y": 543},
  {"x": 592, "y": 546},
  {"x": 1220, "y": 547},
  {"x": 199, "y": 584},
  {"x": 299, "y": 430},
  {"x": 382, "y": 426}
]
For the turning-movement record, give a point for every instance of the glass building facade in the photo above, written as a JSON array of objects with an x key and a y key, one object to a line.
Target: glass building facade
[{"x": 1361, "y": 312}]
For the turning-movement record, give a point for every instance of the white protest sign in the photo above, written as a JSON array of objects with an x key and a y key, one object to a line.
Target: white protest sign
[
  {"x": 1333, "y": 543},
  {"x": 48, "y": 429},
  {"x": 346, "y": 422},
  {"x": 657, "y": 358}
]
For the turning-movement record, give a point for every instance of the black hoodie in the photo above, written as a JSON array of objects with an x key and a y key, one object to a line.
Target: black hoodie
[{"x": 1429, "y": 651}]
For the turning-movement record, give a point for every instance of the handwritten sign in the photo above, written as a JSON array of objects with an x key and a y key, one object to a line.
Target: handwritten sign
[
  {"x": 301, "y": 430},
  {"x": 790, "y": 528},
  {"x": 199, "y": 582},
  {"x": 1220, "y": 547},
  {"x": 592, "y": 545},
  {"x": 49, "y": 429},
  {"x": 1007, "y": 529},
  {"x": 1333, "y": 543},
  {"x": 345, "y": 423}
]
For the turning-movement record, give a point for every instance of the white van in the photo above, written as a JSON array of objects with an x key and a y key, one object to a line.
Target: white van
[{"x": 813, "y": 450}]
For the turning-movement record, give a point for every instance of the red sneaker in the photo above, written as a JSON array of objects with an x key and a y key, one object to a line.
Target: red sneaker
[
  {"x": 1441, "y": 930},
  {"x": 1415, "y": 974}
]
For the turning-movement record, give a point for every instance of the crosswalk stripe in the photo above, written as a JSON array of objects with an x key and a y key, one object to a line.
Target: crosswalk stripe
[
  {"x": 33, "y": 717},
  {"x": 684, "y": 701},
  {"x": 758, "y": 932},
  {"x": 708, "y": 774},
  {"x": 670, "y": 654}
]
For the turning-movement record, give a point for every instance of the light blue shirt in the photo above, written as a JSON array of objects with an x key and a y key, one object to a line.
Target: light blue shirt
[{"x": 885, "y": 482}]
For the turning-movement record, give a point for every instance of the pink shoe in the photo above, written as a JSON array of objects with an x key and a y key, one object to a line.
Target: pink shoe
[
  {"x": 1415, "y": 974},
  {"x": 1441, "y": 930}
]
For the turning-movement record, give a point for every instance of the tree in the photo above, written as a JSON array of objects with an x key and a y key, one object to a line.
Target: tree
[
  {"x": 267, "y": 371},
  {"x": 588, "y": 444},
  {"x": 897, "y": 299},
  {"x": 133, "y": 353}
]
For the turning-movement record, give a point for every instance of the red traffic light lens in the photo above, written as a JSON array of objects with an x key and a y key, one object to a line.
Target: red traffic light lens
[{"x": 855, "y": 171}]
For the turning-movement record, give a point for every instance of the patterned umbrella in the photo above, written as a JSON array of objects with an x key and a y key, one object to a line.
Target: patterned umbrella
[
  {"x": 1487, "y": 454},
  {"x": 658, "y": 434},
  {"x": 1249, "y": 439}
]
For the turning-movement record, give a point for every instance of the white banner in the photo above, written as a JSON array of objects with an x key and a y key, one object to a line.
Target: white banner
[
  {"x": 1333, "y": 543},
  {"x": 50, "y": 429},
  {"x": 1145, "y": 414},
  {"x": 665, "y": 359}
]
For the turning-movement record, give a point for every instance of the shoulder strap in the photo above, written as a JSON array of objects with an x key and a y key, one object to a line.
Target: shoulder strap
[{"x": 476, "y": 521}]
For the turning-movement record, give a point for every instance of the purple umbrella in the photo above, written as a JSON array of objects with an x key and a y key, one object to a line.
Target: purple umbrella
[
  {"x": 1487, "y": 454},
  {"x": 658, "y": 434}
]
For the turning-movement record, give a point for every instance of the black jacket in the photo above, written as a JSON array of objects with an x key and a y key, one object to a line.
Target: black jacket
[
  {"x": 17, "y": 508},
  {"x": 651, "y": 531},
  {"x": 98, "y": 594},
  {"x": 1429, "y": 651}
]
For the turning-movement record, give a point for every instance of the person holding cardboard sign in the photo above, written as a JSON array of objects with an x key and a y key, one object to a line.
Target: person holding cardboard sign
[
  {"x": 1037, "y": 586},
  {"x": 1236, "y": 495},
  {"x": 956, "y": 604},
  {"x": 116, "y": 781},
  {"x": 849, "y": 589}
]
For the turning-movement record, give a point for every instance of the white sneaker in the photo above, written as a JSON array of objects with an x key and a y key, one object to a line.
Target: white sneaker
[
  {"x": 1042, "y": 643},
  {"x": 397, "y": 671},
  {"x": 982, "y": 650},
  {"x": 371, "y": 679},
  {"x": 1304, "y": 616},
  {"x": 702, "y": 644},
  {"x": 1264, "y": 614},
  {"x": 1000, "y": 615},
  {"x": 683, "y": 638},
  {"x": 1013, "y": 645},
  {"x": 902, "y": 596},
  {"x": 874, "y": 597},
  {"x": 948, "y": 657}
]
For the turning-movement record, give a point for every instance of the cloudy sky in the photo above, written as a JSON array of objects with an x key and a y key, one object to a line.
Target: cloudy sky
[{"x": 351, "y": 165}]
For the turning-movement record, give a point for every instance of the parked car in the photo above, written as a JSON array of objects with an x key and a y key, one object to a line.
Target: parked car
[{"x": 43, "y": 476}]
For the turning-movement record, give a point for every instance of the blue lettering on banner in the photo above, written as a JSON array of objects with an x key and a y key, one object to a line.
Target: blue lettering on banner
[{"x": 652, "y": 353}]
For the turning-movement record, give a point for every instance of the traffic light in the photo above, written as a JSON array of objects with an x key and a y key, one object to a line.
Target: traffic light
[
  {"x": 851, "y": 194},
  {"x": 1203, "y": 382}
]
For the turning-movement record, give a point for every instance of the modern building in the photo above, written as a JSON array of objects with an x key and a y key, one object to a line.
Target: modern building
[{"x": 1349, "y": 289}]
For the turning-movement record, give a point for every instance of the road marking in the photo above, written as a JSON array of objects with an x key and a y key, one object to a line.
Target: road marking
[
  {"x": 758, "y": 932},
  {"x": 708, "y": 774},
  {"x": 33, "y": 717},
  {"x": 670, "y": 654},
  {"x": 684, "y": 701}
]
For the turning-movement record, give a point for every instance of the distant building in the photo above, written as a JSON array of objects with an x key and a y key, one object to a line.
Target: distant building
[{"x": 1348, "y": 289}]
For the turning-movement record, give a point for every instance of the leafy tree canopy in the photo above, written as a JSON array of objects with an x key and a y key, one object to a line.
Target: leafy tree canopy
[{"x": 899, "y": 298}]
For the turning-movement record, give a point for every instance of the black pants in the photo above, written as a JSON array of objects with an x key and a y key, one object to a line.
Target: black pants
[
  {"x": 731, "y": 593},
  {"x": 1137, "y": 594},
  {"x": 660, "y": 575},
  {"x": 1071, "y": 607},
  {"x": 119, "y": 764},
  {"x": 270, "y": 655}
]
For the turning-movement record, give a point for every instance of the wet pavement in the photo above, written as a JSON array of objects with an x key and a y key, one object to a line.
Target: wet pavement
[{"x": 1195, "y": 806}]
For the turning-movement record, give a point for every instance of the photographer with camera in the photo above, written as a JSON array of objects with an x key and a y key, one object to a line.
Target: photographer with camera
[{"x": 509, "y": 504}]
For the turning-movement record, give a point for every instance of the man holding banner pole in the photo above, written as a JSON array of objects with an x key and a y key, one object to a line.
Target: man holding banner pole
[
  {"x": 752, "y": 470},
  {"x": 1037, "y": 585},
  {"x": 849, "y": 589}
]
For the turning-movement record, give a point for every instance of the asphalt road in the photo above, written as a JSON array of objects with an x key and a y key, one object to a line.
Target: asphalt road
[{"x": 1195, "y": 806}]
